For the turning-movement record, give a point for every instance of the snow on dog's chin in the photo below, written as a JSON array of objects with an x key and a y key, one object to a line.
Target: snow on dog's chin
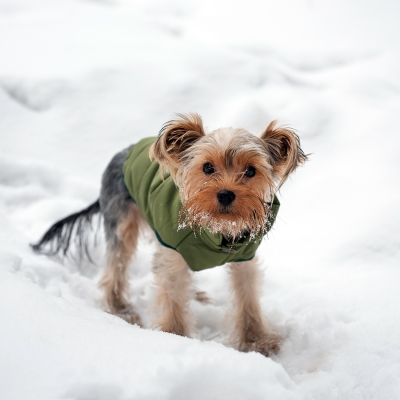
[{"x": 230, "y": 225}]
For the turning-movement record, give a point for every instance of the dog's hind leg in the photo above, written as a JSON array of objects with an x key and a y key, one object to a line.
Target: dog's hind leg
[
  {"x": 250, "y": 332},
  {"x": 119, "y": 254},
  {"x": 174, "y": 284},
  {"x": 122, "y": 222}
]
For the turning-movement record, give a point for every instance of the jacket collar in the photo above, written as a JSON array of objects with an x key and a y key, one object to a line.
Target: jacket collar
[{"x": 215, "y": 240}]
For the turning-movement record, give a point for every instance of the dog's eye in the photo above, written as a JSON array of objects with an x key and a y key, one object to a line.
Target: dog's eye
[
  {"x": 250, "y": 172},
  {"x": 208, "y": 169}
]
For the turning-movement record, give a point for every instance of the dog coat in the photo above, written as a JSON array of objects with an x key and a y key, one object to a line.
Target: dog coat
[{"x": 159, "y": 201}]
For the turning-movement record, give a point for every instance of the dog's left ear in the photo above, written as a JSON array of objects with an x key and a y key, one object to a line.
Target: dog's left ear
[
  {"x": 175, "y": 137},
  {"x": 284, "y": 148}
]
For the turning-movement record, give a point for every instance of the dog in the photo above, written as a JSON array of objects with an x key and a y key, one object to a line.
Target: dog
[{"x": 209, "y": 198}]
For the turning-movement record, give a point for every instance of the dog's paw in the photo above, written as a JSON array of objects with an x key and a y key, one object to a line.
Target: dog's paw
[
  {"x": 202, "y": 297},
  {"x": 129, "y": 315},
  {"x": 132, "y": 318},
  {"x": 265, "y": 345}
]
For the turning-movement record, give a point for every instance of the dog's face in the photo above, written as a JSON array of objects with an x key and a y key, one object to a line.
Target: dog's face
[{"x": 227, "y": 178}]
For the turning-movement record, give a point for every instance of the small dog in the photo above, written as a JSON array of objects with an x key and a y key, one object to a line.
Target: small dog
[{"x": 209, "y": 199}]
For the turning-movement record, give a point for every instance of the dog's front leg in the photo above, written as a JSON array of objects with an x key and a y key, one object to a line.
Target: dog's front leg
[
  {"x": 174, "y": 284},
  {"x": 250, "y": 332}
]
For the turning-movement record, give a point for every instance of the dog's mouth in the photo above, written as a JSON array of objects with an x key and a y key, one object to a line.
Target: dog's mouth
[{"x": 225, "y": 210}]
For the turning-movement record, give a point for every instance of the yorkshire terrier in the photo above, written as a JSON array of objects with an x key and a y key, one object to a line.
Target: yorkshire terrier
[{"x": 209, "y": 198}]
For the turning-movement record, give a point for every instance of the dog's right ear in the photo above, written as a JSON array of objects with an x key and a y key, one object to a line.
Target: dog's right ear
[{"x": 175, "y": 137}]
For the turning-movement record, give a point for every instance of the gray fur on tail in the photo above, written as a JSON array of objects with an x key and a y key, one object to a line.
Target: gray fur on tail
[{"x": 57, "y": 240}]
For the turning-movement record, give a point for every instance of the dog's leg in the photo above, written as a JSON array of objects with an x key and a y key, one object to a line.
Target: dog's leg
[
  {"x": 120, "y": 249},
  {"x": 250, "y": 332},
  {"x": 174, "y": 284}
]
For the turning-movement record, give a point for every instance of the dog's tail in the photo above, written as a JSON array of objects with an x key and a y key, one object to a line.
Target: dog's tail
[{"x": 57, "y": 239}]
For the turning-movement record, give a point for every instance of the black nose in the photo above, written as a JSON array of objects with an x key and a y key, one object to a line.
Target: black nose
[{"x": 226, "y": 197}]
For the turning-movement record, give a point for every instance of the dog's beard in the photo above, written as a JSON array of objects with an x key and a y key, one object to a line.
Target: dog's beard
[{"x": 232, "y": 222}]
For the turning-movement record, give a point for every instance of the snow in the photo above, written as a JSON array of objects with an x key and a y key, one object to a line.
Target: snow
[{"x": 82, "y": 79}]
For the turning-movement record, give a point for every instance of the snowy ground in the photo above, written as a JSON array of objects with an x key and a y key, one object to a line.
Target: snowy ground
[{"x": 80, "y": 80}]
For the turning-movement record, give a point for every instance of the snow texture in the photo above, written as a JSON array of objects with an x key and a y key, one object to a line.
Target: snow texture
[{"x": 82, "y": 79}]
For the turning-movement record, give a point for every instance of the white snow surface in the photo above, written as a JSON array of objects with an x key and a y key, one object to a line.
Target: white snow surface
[{"x": 83, "y": 79}]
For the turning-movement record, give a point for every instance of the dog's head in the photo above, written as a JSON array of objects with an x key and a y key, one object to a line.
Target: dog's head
[{"x": 227, "y": 178}]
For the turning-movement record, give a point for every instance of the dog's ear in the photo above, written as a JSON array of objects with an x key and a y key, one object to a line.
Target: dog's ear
[
  {"x": 284, "y": 148},
  {"x": 175, "y": 137}
]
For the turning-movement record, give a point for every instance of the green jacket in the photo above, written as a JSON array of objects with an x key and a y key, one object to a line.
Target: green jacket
[{"x": 160, "y": 203}]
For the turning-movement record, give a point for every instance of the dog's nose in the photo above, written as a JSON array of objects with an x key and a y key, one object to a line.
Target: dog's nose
[{"x": 225, "y": 197}]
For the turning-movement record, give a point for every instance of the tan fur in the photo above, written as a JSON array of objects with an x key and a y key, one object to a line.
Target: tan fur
[
  {"x": 250, "y": 332},
  {"x": 115, "y": 277},
  {"x": 174, "y": 284}
]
